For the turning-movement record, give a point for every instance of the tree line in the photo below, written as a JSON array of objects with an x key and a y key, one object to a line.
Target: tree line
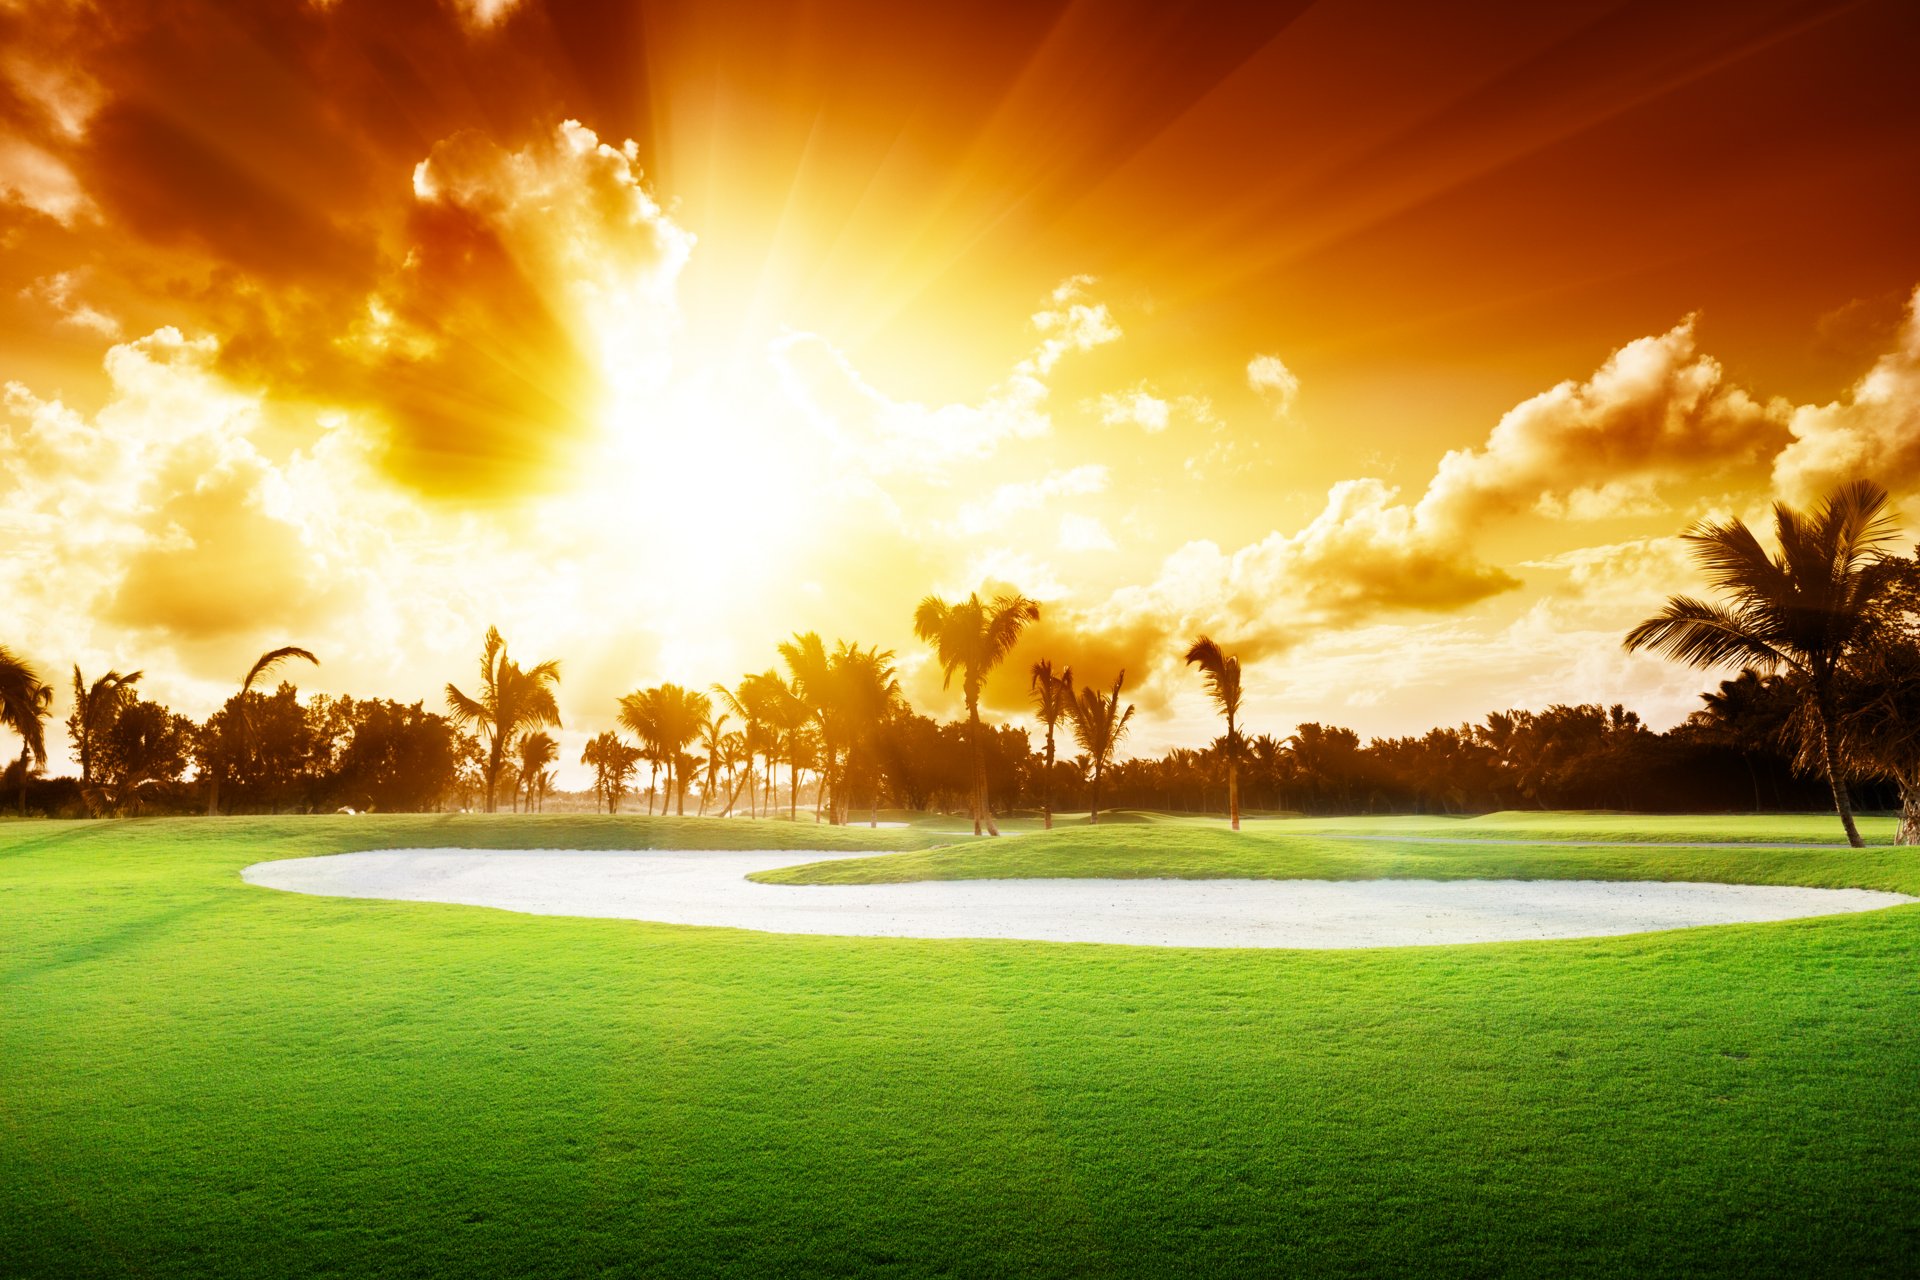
[{"x": 1821, "y": 632}]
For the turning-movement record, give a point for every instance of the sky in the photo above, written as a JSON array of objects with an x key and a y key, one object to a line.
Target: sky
[{"x": 1392, "y": 345}]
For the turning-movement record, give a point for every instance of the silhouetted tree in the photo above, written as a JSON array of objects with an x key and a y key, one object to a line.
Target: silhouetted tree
[
  {"x": 1803, "y": 613},
  {"x": 510, "y": 701},
  {"x": 973, "y": 638},
  {"x": 1051, "y": 695},
  {"x": 1223, "y": 686},
  {"x": 1098, "y": 726}
]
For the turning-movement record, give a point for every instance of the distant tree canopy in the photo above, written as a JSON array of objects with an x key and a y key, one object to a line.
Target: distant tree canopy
[{"x": 839, "y": 737}]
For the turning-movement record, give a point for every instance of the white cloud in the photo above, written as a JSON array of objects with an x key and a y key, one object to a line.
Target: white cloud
[
  {"x": 1655, "y": 414},
  {"x": 1139, "y": 407},
  {"x": 1273, "y": 382},
  {"x": 60, "y": 292},
  {"x": 889, "y": 435},
  {"x": 41, "y": 181},
  {"x": 1084, "y": 533},
  {"x": 1009, "y": 500},
  {"x": 1873, "y": 432}
]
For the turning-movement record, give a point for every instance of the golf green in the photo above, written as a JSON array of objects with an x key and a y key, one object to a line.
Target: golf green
[{"x": 199, "y": 1077}]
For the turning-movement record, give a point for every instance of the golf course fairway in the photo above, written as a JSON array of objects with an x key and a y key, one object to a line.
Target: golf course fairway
[{"x": 202, "y": 1077}]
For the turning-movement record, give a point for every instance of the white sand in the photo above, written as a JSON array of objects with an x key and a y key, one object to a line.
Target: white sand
[{"x": 701, "y": 888}]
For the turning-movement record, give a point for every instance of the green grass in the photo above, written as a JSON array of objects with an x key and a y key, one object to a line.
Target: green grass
[
  {"x": 203, "y": 1078},
  {"x": 1610, "y": 847}
]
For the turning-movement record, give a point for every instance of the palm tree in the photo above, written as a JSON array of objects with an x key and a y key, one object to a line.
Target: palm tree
[
  {"x": 613, "y": 762},
  {"x": 765, "y": 703},
  {"x": 682, "y": 712},
  {"x": 1803, "y": 613},
  {"x": 535, "y": 752},
  {"x": 811, "y": 678},
  {"x": 262, "y": 666},
  {"x": 868, "y": 694},
  {"x": 733, "y": 750},
  {"x": 25, "y": 700},
  {"x": 786, "y": 712},
  {"x": 744, "y": 704},
  {"x": 1051, "y": 694},
  {"x": 973, "y": 638},
  {"x": 94, "y": 706},
  {"x": 640, "y": 715},
  {"x": 1223, "y": 686},
  {"x": 510, "y": 701},
  {"x": 1098, "y": 725},
  {"x": 713, "y": 745}
]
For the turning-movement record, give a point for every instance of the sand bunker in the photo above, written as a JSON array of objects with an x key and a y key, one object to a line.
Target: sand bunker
[{"x": 704, "y": 888}]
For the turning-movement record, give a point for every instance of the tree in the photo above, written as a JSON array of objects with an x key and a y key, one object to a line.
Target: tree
[
  {"x": 94, "y": 706},
  {"x": 714, "y": 747},
  {"x": 682, "y": 713},
  {"x": 789, "y": 717},
  {"x": 138, "y": 756},
  {"x": 25, "y": 700},
  {"x": 1805, "y": 612},
  {"x": 1879, "y": 698},
  {"x": 613, "y": 762},
  {"x": 813, "y": 681},
  {"x": 665, "y": 718},
  {"x": 510, "y": 701},
  {"x": 535, "y": 752},
  {"x": 395, "y": 757},
  {"x": 33, "y": 746},
  {"x": 639, "y": 715},
  {"x": 1222, "y": 675},
  {"x": 972, "y": 638},
  {"x": 1098, "y": 725},
  {"x": 1051, "y": 696},
  {"x": 213, "y": 757},
  {"x": 868, "y": 695},
  {"x": 744, "y": 704}
]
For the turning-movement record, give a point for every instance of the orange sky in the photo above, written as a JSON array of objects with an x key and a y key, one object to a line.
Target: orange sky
[{"x": 1390, "y": 343}]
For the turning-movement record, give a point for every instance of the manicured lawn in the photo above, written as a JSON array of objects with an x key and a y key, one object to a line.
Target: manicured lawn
[
  {"x": 1757, "y": 850},
  {"x": 203, "y": 1078}
]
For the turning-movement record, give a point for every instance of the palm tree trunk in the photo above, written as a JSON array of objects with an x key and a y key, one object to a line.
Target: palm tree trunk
[
  {"x": 979, "y": 764},
  {"x": 1836, "y": 779},
  {"x": 1909, "y": 832},
  {"x": 1093, "y": 815},
  {"x": 23, "y": 779},
  {"x": 493, "y": 771},
  {"x": 1233, "y": 791},
  {"x": 1046, "y": 784}
]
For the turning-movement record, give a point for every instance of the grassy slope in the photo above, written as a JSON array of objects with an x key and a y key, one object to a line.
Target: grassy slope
[
  {"x": 1349, "y": 849},
  {"x": 198, "y": 1077}
]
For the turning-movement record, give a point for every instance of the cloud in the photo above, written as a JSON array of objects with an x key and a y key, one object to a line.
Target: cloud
[
  {"x": 158, "y": 514},
  {"x": 1365, "y": 555},
  {"x": 1072, "y": 321},
  {"x": 1008, "y": 500},
  {"x": 59, "y": 291},
  {"x": 1874, "y": 431},
  {"x": 888, "y": 435},
  {"x": 36, "y": 178},
  {"x": 1138, "y": 407},
  {"x": 1084, "y": 533},
  {"x": 1657, "y": 413},
  {"x": 538, "y": 290},
  {"x": 1274, "y": 383}
]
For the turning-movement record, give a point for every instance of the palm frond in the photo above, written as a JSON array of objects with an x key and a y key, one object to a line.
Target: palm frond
[
  {"x": 273, "y": 658},
  {"x": 1701, "y": 634}
]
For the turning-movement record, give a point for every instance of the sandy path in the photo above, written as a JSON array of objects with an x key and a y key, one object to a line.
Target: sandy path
[{"x": 707, "y": 888}]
